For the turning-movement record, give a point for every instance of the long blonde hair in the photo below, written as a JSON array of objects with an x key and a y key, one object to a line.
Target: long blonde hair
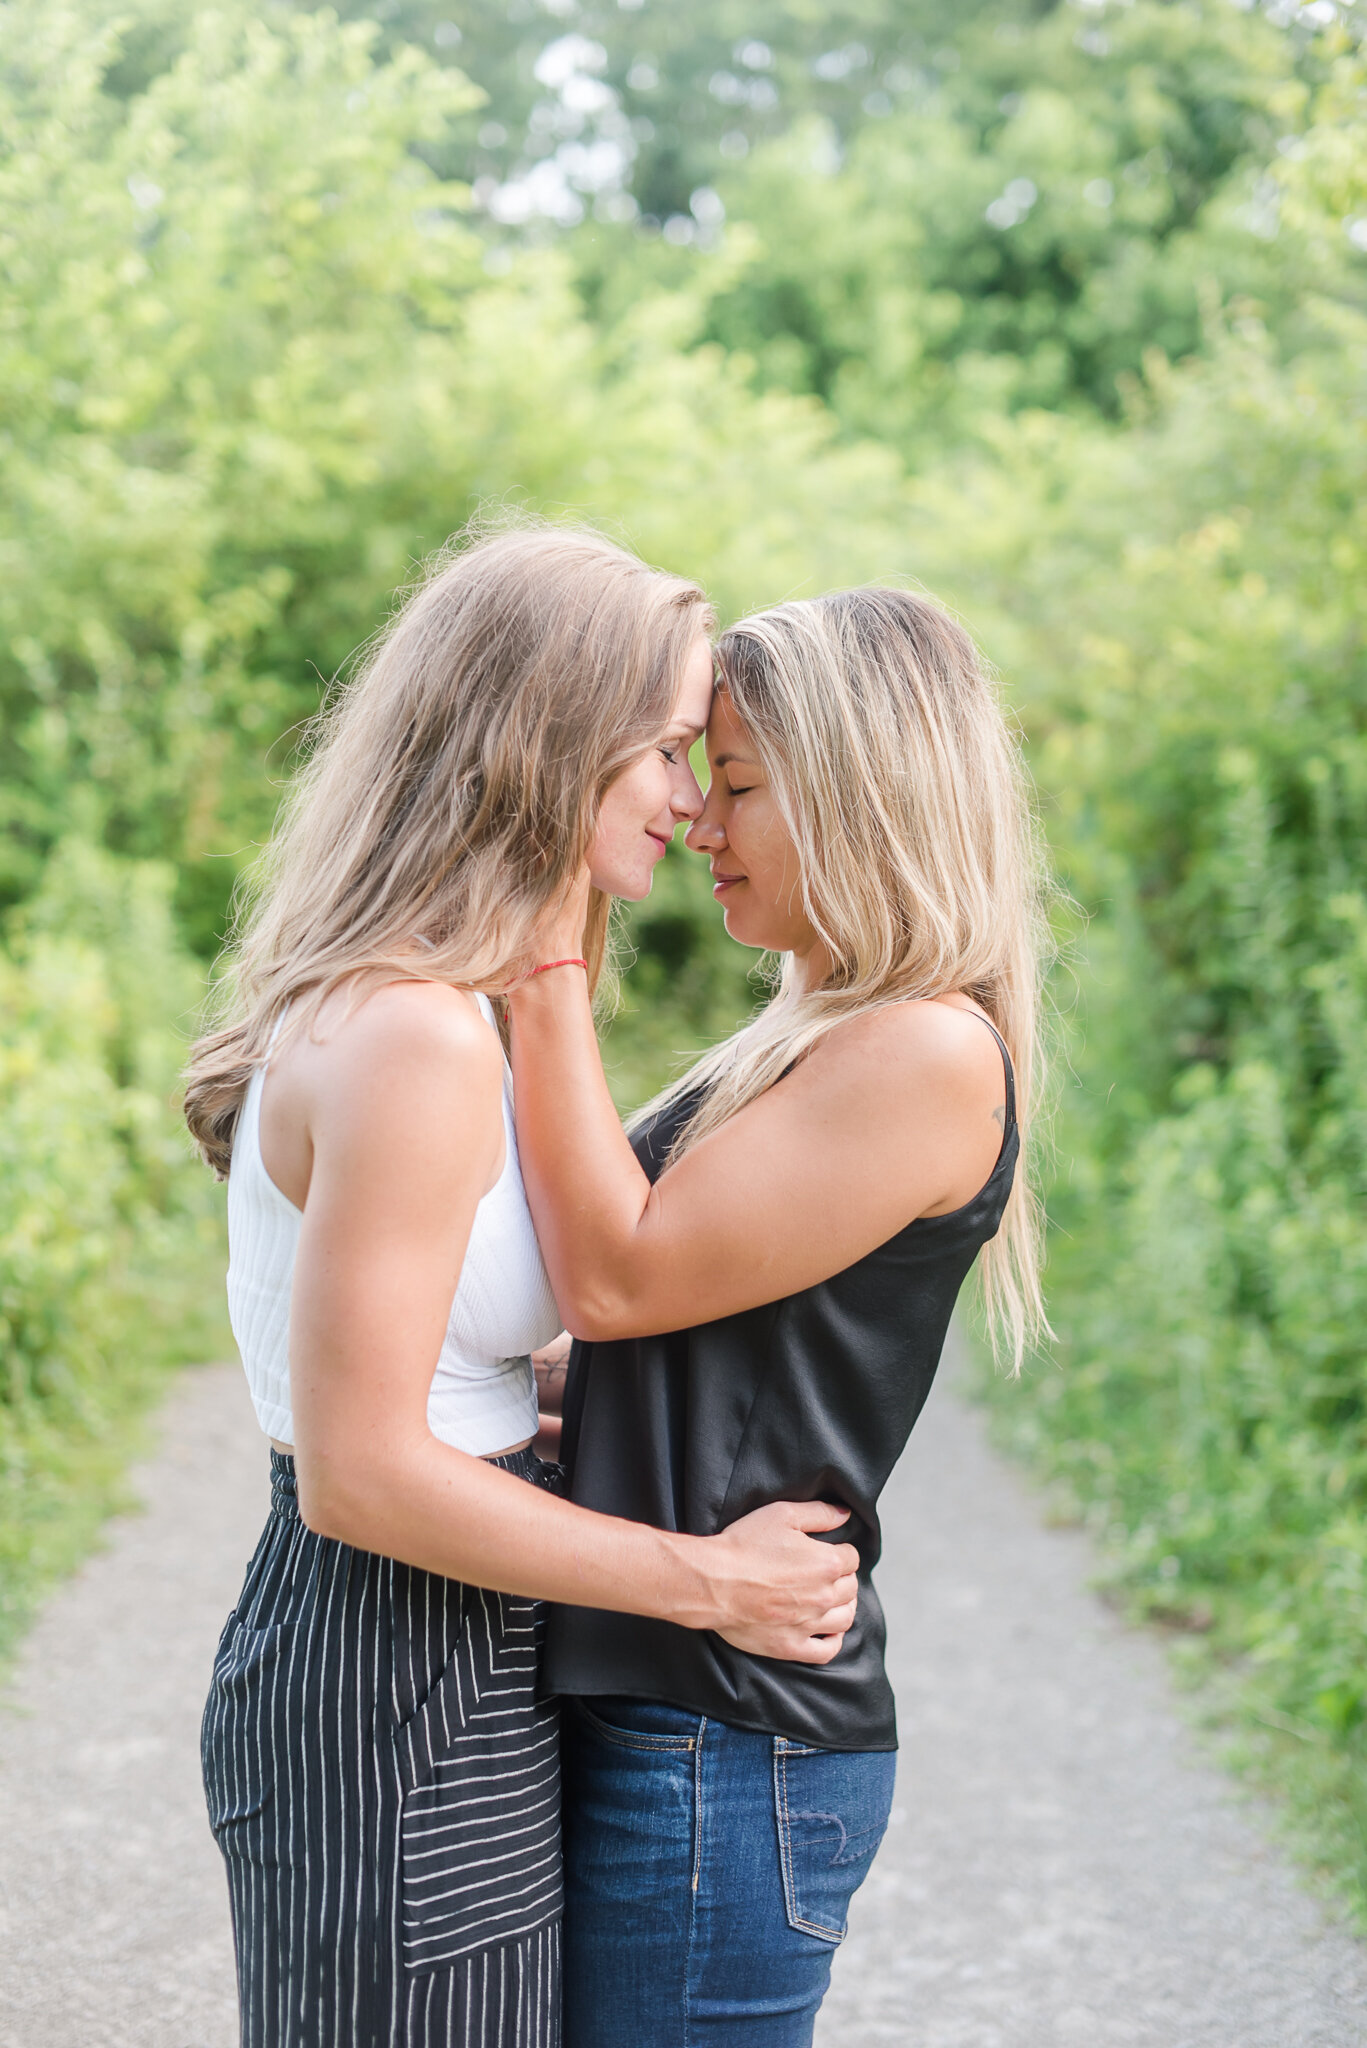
[
  {"x": 452, "y": 789},
  {"x": 907, "y": 801}
]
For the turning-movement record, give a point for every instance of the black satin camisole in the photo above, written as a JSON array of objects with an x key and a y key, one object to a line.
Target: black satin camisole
[{"x": 809, "y": 1398}]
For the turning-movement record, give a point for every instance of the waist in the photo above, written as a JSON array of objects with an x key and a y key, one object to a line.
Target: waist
[
  {"x": 488, "y": 1415},
  {"x": 845, "y": 1705},
  {"x": 489, "y": 1457},
  {"x": 523, "y": 1463}
]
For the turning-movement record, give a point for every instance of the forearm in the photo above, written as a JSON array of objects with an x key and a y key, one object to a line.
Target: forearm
[
  {"x": 459, "y": 1517},
  {"x": 589, "y": 1196}
]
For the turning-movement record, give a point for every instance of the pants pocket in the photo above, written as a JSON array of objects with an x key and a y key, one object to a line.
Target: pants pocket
[
  {"x": 831, "y": 1808},
  {"x": 244, "y": 1733},
  {"x": 643, "y": 1725},
  {"x": 479, "y": 1833}
]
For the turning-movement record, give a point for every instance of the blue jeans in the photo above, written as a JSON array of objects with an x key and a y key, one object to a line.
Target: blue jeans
[{"x": 708, "y": 1871}]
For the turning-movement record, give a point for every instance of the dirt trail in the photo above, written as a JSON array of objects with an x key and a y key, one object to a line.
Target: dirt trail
[{"x": 1062, "y": 1868}]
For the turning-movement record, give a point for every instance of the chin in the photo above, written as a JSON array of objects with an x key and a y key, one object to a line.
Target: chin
[
  {"x": 735, "y": 929},
  {"x": 626, "y": 888}
]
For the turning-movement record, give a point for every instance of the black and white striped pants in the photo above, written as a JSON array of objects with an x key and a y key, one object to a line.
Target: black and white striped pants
[{"x": 385, "y": 1788}]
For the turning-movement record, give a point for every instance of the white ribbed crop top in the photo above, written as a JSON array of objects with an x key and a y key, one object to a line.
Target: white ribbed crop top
[{"x": 483, "y": 1396}]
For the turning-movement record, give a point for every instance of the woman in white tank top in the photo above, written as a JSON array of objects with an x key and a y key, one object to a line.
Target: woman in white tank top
[{"x": 381, "y": 1776}]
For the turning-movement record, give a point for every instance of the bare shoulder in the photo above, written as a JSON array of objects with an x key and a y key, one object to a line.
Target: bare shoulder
[
  {"x": 381, "y": 1088},
  {"x": 421, "y": 1015},
  {"x": 920, "y": 1090},
  {"x": 406, "y": 1035},
  {"x": 942, "y": 1045}
]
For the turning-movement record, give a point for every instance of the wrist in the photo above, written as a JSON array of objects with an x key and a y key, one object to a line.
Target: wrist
[
  {"x": 694, "y": 1600},
  {"x": 557, "y": 964}
]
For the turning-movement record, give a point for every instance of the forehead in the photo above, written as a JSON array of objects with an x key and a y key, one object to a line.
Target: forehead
[
  {"x": 725, "y": 733},
  {"x": 694, "y": 699}
]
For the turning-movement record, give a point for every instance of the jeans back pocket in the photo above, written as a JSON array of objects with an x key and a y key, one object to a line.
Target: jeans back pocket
[{"x": 832, "y": 1810}]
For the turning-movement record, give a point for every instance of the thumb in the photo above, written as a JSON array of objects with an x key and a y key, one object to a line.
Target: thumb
[{"x": 816, "y": 1515}]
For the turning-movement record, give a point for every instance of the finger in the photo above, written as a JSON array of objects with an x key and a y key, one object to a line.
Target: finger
[
  {"x": 815, "y": 1650},
  {"x": 836, "y": 1621},
  {"x": 842, "y": 1585},
  {"x": 815, "y": 1514}
]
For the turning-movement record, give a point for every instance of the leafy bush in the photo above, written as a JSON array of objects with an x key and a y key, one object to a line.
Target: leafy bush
[
  {"x": 256, "y": 370},
  {"x": 1181, "y": 604},
  {"x": 110, "y": 1244}
]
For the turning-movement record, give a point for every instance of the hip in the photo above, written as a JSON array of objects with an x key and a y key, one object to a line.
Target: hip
[
  {"x": 391, "y": 1715},
  {"x": 844, "y": 1705},
  {"x": 391, "y": 1629},
  {"x": 709, "y": 1874}
]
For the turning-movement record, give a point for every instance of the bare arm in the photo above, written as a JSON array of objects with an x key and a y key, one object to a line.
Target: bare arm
[
  {"x": 399, "y": 1113},
  {"x": 894, "y": 1115}
]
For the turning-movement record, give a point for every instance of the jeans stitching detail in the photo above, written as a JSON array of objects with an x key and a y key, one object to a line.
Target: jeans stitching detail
[
  {"x": 785, "y": 1833},
  {"x": 697, "y": 1805},
  {"x": 697, "y": 1870},
  {"x": 627, "y": 1738},
  {"x": 796, "y": 1917}
]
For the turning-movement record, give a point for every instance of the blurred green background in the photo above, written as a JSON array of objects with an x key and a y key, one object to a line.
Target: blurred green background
[{"x": 1060, "y": 309}]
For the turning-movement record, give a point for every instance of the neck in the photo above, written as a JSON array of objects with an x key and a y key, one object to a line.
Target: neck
[{"x": 811, "y": 967}]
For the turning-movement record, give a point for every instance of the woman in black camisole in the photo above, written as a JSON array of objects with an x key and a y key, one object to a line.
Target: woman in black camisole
[{"x": 762, "y": 1279}]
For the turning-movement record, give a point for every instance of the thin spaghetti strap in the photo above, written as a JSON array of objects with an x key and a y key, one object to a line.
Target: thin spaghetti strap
[{"x": 1006, "y": 1062}]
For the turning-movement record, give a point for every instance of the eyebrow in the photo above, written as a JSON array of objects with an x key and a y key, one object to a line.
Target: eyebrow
[{"x": 725, "y": 760}]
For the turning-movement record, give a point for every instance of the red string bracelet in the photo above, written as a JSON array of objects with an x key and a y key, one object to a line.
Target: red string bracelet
[
  {"x": 544, "y": 968},
  {"x": 547, "y": 965}
]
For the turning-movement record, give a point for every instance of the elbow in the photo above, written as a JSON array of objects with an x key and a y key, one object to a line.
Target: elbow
[
  {"x": 604, "y": 1279},
  {"x": 320, "y": 1511},
  {"x": 598, "y": 1315},
  {"x": 331, "y": 1503}
]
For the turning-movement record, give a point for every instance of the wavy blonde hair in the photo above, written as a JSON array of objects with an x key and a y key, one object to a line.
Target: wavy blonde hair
[
  {"x": 451, "y": 790},
  {"x": 906, "y": 797}
]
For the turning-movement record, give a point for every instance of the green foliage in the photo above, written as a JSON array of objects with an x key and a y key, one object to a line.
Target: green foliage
[
  {"x": 679, "y": 91},
  {"x": 1026, "y": 221},
  {"x": 1060, "y": 308},
  {"x": 255, "y": 370},
  {"x": 945, "y": 212},
  {"x": 109, "y": 1236},
  {"x": 1181, "y": 606}
]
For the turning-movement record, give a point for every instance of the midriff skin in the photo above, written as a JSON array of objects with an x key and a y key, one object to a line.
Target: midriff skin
[{"x": 287, "y": 1450}]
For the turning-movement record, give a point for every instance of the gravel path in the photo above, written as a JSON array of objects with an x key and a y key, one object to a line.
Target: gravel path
[{"x": 1062, "y": 1867}]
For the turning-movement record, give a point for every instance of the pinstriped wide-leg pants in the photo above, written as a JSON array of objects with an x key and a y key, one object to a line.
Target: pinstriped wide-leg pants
[{"x": 385, "y": 1788}]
